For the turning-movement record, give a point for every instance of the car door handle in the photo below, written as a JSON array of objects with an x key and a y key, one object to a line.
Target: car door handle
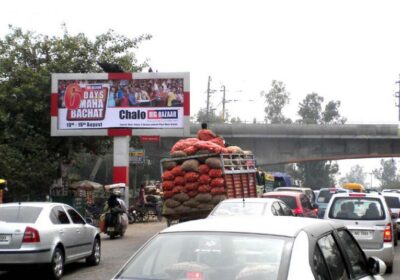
[{"x": 78, "y": 231}]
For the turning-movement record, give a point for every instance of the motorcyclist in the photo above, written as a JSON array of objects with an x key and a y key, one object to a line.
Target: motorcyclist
[
  {"x": 124, "y": 214},
  {"x": 113, "y": 211}
]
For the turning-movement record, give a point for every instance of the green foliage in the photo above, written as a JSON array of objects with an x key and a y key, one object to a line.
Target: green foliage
[
  {"x": 318, "y": 174},
  {"x": 201, "y": 116},
  {"x": 387, "y": 174},
  {"x": 355, "y": 175},
  {"x": 30, "y": 157},
  {"x": 276, "y": 99}
]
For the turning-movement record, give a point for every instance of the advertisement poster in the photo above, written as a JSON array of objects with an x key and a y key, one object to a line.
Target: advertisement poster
[{"x": 141, "y": 103}]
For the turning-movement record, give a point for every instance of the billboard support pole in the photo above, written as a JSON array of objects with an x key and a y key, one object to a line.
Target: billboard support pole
[{"x": 121, "y": 163}]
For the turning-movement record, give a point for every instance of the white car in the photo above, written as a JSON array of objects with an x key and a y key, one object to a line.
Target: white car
[
  {"x": 252, "y": 248},
  {"x": 251, "y": 206},
  {"x": 369, "y": 219},
  {"x": 44, "y": 233}
]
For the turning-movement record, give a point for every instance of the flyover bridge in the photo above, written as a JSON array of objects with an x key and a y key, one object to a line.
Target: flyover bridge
[{"x": 291, "y": 143}]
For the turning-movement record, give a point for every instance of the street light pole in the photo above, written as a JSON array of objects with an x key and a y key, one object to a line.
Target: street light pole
[
  {"x": 223, "y": 104},
  {"x": 208, "y": 99}
]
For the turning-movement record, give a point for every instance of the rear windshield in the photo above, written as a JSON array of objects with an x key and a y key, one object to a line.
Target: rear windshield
[
  {"x": 19, "y": 214},
  {"x": 239, "y": 208},
  {"x": 289, "y": 200},
  {"x": 392, "y": 201},
  {"x": 357, "y": 208},
  {"x": 222, "y": 256},
  {"x": 325, "y": 196}
]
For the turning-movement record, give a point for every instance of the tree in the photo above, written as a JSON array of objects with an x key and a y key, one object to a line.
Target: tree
[
  {"x": 276, "y": 99},
  {"x": 318, "y": 173},
  {"x": 387, "y": 174},
  {"x": 201, "y": 116},
  {"x": 310, "y": 109},
  {"x": 355, "y": 175},
  {"x": 30, "y": 157}
]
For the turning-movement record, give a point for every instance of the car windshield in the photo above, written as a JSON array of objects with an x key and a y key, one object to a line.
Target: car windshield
[
  {"x": 208, "y": 256},
  {"x": 357, "y": 208},
  {"x": 392, "y": 201},
  {"x": 19, "y": 214},
  {"x": 239, "y": 208}
]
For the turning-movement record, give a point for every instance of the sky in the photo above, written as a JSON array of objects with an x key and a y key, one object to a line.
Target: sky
[{"x": 342, "y": 50}]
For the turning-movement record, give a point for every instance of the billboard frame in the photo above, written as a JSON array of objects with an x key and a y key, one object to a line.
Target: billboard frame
[{"x": 163, "y": 132}]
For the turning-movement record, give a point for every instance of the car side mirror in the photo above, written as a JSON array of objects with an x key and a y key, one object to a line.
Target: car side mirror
[
  {"x": 376, "y": 266},
  {"x": 394, "y": 216},
  {"x": 89, "y": 221},
  {"x": 314, "y": 205}
]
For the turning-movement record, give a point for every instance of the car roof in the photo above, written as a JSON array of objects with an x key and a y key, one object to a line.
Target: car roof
[
  {"x": 295, "y": 188},
  {"x": 250, "y": 200},
  {"x": 341, "y": 189},
  {"x": 280, "y": 226},
  {"x": 357, "y": 194},
  {"x": 284, "y": 193},
  {"x": 37, "y": 204},
  {"x": 391, "y": 194}
]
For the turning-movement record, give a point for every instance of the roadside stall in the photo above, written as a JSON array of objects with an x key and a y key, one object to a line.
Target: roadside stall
[{"x": 79, "y": 195}]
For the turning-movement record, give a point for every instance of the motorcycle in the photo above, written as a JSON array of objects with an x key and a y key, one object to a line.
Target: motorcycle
[{"x": 116, "y": 223}]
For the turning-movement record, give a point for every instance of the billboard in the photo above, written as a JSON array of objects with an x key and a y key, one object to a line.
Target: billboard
[{"x": 100, "y": 102}]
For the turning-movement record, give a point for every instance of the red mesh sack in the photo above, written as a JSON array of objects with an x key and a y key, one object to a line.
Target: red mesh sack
[
  {"x": 179, "y": 181},
  {"x": 178, "y": 189},
  {"x": 224, "y": 151},
  {"x": 192, "y": 193},
  {"x": 217, "y": 191},
  {"x": 204, "y": 189},
  {"x": 183, "y": 144},
  {"x": 168, "y": 185},
  {"x": 168, "y": 194},
  {"x": 205, "y": 134},
  {"x": 177, "y": 171},
  {"x": 204, "y": 179},
  {"x": 203, "y": 169},
  {"x": 190, "y": 150},
  {"x": 209, "y": 146},
  {"x": 167, "y": 175},
  {"x": 191, "y": 177},
  {"x": 192, "y": 186},
  {"x": 219, "y": 141},
  {"x": 217, "y": 182},
  {"x": 215, "y": 173}
]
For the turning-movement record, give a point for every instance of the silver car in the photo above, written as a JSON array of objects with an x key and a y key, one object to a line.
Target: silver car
[
  {"x": 252, "y": 248},
  {"x": 368, "y": 218},
  {"x": 251, "y": 206},
  {"x": 52, "y": 234}
]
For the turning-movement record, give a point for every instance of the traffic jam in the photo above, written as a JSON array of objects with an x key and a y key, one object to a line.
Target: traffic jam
[{"x": 223, "y": 220}]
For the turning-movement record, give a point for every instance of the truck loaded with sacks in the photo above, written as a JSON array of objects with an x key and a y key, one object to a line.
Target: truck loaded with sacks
[{"x": 200, "y": 173}]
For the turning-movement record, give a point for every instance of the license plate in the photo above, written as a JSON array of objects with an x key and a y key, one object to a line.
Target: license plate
[
  {"x": 5, "y": 238},
  {"x": 362, "y": 234},
  {"x": 110, "y": 229}
]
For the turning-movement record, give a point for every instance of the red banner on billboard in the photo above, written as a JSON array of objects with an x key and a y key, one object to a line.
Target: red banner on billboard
[{"x": 150, "y": 138}]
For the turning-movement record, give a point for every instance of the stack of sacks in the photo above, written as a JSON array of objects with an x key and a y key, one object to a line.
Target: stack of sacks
[{"x": 193, "y": 186}]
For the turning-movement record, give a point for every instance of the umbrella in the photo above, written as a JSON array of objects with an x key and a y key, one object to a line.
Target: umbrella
[{"x": 86, "y": 185}]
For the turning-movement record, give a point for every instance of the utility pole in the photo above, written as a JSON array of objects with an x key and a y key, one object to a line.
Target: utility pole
[
  {"x": 223, "y": 104},
  {"x": 397, "y": 94},
  {"x": 208, "y": 99}
]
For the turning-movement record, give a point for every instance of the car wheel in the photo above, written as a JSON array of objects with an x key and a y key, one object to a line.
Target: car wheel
[
  {"x": 94, "y": 258},
  {"x": 389, "y": 268},
  {"x": 56, "y": 268}
]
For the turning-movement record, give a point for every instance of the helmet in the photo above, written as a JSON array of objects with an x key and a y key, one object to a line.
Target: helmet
[{"x": 117, "y": 193}]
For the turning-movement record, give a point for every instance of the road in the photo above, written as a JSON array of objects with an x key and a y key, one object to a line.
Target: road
[{"x": 116, "y": 252}]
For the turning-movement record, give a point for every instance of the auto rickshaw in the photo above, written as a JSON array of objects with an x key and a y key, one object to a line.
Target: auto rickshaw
[{"x": 3, "y": 188}]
